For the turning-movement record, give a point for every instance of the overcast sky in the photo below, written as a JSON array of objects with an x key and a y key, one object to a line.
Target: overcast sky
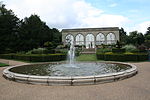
[{"x": 129, "y": 14}]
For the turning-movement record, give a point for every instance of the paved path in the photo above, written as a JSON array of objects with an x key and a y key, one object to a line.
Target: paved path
[
  {"x": 134, "y": 88},
  {"x": 11, "y": 62}
]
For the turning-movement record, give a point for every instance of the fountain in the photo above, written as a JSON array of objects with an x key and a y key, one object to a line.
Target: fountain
[
  {"x": 62, "y": 73},
  {"x": 71, "y": 55}
]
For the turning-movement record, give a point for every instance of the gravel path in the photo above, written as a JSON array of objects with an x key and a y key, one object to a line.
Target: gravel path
[{"x": 134, "y": 88}]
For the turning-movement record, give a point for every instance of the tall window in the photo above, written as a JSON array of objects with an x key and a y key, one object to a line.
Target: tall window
[
  {"x": 79, "y": 39},
  {"x": 69, "y": 39},
  {"x": 90, "y": 41},
  {"x": 100, "y": 39},
  {"x": 111, "y": 39}
]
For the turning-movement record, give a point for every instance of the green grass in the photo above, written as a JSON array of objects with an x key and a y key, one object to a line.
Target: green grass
[
  {"x": 87, "y": 57},
  {"x": 3, "y": 65}
]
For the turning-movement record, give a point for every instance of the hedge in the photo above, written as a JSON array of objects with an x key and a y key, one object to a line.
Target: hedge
[
  {"x": 35, "y": 57},
  {"x": 122, "y": 57},
  {"x": 118, "y": 50},
  {"x": 100, "y": 56},
  {"x": 6, "y": 56}
]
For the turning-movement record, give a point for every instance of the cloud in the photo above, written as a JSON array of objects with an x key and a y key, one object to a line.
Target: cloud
[
  {"x": 142, "y": 27},
  {"x": 113, "y": 5},
  {"x": 66, "y": 13},
  {"x": 134, "y": 11},
  {"x": 105, "y": 20}
]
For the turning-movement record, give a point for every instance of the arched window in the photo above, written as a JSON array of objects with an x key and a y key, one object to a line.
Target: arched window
[
  {"x": 111, "y": 39},
  {"x": 79, "y": 39},
  {"x": 69, "y": 39},
  {"x": 90, "y": 41},
  {"x": 100, "y": 39}
]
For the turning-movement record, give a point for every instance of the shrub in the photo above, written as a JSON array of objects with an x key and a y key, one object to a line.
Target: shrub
[
  {"x": 49, "y": 45},
  {"x": 118, "y": 50},
  {"x": 123, "y": 56},
  {"x": 7, "y": 56},
  {"x": 103, "y": 50},
  {"x": 38, "y": 51},
  {"x": 143, "y": 57},
  {"x": 23, "y": 57},
  {"x": 100, "y": 56},
  {"x": 130, "y": 48},
  {"x": 62, "y": 51},
  {"x": 60, "y": 47},
  {"x": 50, "y": 57},
  {"x": 21, "y": 52},
  {"x": 35, "y": 57},
  {"x": 142, "y": 48}
]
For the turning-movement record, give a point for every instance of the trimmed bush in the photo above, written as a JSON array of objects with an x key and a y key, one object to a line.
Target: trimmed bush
[
  {"x": 7, "y": 56},
  {"x": 100, "y": 56},
  {"x": 35, "y": 57},
  {"x": 123, "y": 56},
  {"x": 103, "y": 50},
  {"x": 50, "y": 57},
  {"x": 23, "y": 57},
  {"x": 143, "y": 57},
  {"x": 118, "y": 50}
]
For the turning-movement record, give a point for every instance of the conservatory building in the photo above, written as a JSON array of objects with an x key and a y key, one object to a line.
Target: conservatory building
[{"x": 90, "y": 37}]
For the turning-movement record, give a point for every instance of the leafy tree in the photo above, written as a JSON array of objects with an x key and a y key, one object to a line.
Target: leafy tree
[
  {"x": 147, "y": 38},
  {"x": 34, "y": 33},
  {"x": 56, "y": 37},
  {"x": 9, "y": 25},
  {"x": 123, "y": 36},
  {"x": 148, "y": 30},
  {"x": 135, "y": 38},
  {"x": 24, "y": 35}
]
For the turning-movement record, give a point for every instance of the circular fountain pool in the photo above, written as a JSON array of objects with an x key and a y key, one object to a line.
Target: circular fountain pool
[{"x": 66, "y": 74}]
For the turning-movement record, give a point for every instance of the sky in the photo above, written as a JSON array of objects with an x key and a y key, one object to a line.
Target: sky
[{"x": 61, "y": 14}]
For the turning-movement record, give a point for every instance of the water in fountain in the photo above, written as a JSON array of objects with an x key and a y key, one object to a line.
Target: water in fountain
[{"x": 71, "y": 55}]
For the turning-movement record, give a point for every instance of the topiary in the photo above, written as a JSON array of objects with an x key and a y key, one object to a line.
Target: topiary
[{"x": 118, "y": 45}]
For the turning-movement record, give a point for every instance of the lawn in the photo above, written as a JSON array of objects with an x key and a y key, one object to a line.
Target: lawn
[
  {"x": 2, "y": 64},
  {"x": 87, "y": 57}
]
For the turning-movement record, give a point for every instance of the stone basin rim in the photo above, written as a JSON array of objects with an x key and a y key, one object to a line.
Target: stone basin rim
[{"x": 79, "y": 80}]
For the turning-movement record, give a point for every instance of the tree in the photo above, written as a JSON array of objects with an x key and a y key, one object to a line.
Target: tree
[
  {"x": 56, "y": 36},
  {"x": 147, "y": 38},
  {"x": 123, "y": 36},
  {"x": 24, "y": 35},
  {"x": 148, "y": 31},
  {"x": 34, "y": 33},
  {"x": 9, "y": 25},
  {"x": 135, "y": 38}
]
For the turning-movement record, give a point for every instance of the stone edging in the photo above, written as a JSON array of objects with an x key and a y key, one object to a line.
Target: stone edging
[{"x": 77, "y": 80}]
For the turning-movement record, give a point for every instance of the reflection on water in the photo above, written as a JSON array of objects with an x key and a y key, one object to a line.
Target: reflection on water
[{"x": 81, "y": 69}]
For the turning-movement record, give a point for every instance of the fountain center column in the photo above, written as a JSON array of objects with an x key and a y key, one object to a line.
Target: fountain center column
[{"x": 71, "y": 54}]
